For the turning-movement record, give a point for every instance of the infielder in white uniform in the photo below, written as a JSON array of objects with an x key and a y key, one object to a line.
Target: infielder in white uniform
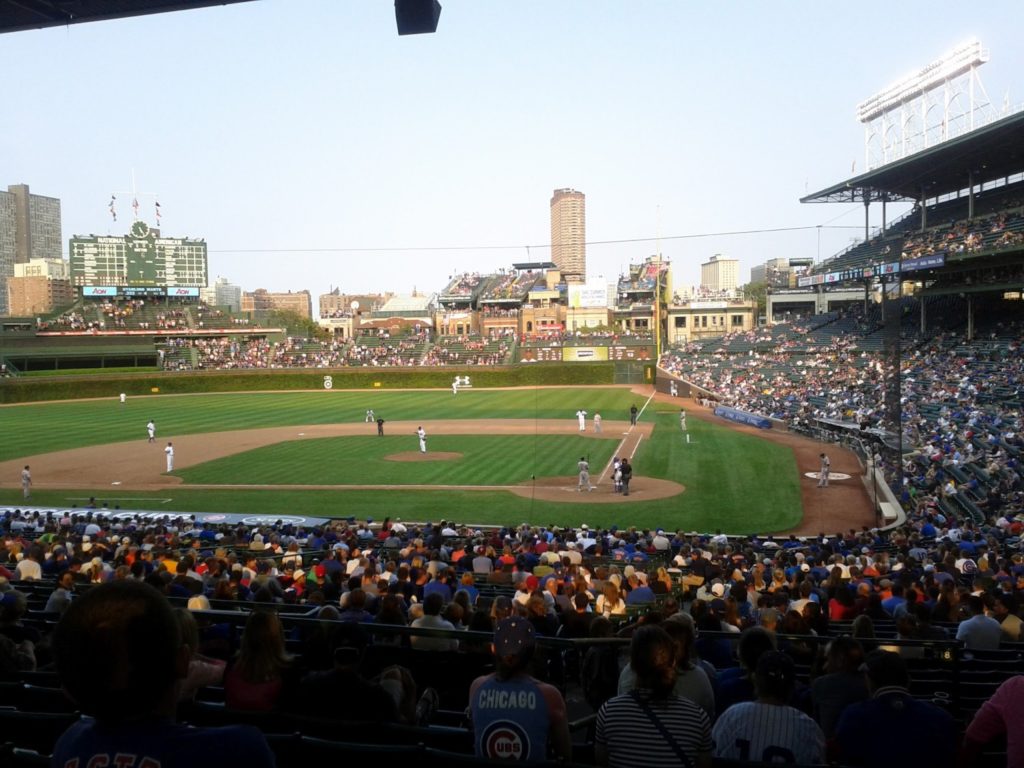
[
  {"x": 422, "y": 435},
  {"x": 582, "y": 417},
  {"x": 169, "y": 450},
  {"x": 597, "y": 423},
  {"x": 151, "y": 431}
]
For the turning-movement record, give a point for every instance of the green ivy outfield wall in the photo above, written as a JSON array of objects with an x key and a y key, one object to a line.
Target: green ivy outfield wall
[{"x": 22, "y": 390}]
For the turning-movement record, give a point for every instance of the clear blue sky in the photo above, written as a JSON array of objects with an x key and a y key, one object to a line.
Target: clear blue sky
[{"x": 309, "y": 124}]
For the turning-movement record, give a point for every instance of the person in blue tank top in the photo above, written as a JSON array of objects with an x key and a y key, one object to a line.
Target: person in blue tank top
[{"x": 516, "y": 717}]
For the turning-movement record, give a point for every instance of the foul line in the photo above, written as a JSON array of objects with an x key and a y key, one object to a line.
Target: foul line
[
  {"x": 636, "y": 446},
  {"x": 645, "y": 406},
  {"x": 623, "y": 442}
]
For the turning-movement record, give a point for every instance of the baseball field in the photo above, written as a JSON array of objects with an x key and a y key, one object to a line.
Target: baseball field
[{"x": 494, "y": 456}]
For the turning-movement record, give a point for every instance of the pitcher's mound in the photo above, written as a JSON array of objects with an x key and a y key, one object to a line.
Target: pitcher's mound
[{"x": 428, "y": 456}]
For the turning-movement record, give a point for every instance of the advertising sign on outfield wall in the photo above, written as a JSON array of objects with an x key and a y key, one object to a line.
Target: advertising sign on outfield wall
[
  {"x": 584, "y": 354},
  {"x": 591, "y": 296}
]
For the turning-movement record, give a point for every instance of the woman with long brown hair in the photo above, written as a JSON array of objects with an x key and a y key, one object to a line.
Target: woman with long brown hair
[{"x": 257, "y": 677}]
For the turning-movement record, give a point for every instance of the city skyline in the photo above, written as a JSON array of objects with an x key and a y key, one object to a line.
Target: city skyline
[{"x": 352, "y": 157}]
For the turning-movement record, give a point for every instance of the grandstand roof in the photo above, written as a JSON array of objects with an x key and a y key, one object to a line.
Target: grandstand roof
[
  {"x": 39, "y": 14},
  {"x": 993, "y": 151}
]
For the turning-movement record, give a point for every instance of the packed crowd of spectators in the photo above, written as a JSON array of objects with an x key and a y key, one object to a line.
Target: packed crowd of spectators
[
  {"x": 463, "y": 285},
  {"x": 959, "y": 423},
  {"x": 381, "y": 349},
  {"x": 306, "y": 353},
  {"x": 996, "y": 232},
  {"x": 829, "y": 604},
  {"x": 221, "y": 353}
]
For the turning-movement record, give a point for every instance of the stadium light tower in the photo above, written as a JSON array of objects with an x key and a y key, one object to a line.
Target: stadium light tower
[{"x": 938, "y": 102}]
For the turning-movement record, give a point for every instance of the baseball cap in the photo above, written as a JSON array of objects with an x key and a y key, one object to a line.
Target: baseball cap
[
  {"x": 512, "y": 636},
  {"x": 198, "y": 603}
]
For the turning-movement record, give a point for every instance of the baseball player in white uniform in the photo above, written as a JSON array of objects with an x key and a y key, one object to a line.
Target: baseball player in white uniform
[
  {"x": 422, "y": 435},
  {"x": 169, "y": 450}
]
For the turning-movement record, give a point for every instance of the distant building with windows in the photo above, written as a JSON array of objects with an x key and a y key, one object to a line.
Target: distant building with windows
[
  {"x": 569, "y": 234},
  {"x": 39, "y": 287},
  {"x": 719, "y": 275},
  {"x": 780, "y": 273},
  {"x": 29, "y": 229},
  {"x": 262, "y": 300},
  {"x": 695, "y": 320},
  {"x": 223, "y": 294}
]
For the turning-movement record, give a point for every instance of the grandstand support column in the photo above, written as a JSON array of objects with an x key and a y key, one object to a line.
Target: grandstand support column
[
  {"x": 867, "y": 215},
  {"x": 970, "y": 194},
  {"x": 924, "y": 211},
  {"x": 885, "y": 199},
  {"x": 970, "y": 318},
  {"x": 891, "y": 336},
  {"x": 892, "y": 373},
  {"x": 924, "y": 316}
]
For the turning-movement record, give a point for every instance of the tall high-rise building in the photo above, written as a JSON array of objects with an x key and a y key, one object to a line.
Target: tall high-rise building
[
  {"x": 29, "y": 229},
  {"x": 222, "y": 294},
  {"x": 569, "y": 234},
  {"x": 718, "y": 274}
]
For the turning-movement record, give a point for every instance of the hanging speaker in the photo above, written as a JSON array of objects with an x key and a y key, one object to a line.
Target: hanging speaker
[{"x": 417, "y": 17}]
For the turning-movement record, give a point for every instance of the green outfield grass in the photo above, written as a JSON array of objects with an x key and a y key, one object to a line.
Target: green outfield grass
[
  {"x": 734, "y": 481},
  {"x": 43, "y": 427}
]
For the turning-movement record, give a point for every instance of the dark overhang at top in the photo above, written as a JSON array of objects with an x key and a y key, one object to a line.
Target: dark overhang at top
[
  {"x": 991, "y": 152},
  {"x": 20, "y": 15}
]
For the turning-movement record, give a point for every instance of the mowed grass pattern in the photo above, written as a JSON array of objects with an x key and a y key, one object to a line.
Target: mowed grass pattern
[
  {"x": 44, "y": 427},
  {"x": 734, "y": 481},
  {"x": 486, "y": 460}
]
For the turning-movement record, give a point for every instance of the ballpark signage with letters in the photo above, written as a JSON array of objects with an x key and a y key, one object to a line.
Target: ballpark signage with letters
[{"x": 584, "y": 354}]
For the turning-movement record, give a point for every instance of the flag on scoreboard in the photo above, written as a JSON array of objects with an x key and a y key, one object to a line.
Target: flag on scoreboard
[
  {"x": 135, "y": 207},
  {"x": 157, "y": 206},
  {"x": 113, "y": 213}
]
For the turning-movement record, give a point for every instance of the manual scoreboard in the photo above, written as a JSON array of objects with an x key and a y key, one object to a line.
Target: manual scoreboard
[{"x": 140, "y": 258}]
